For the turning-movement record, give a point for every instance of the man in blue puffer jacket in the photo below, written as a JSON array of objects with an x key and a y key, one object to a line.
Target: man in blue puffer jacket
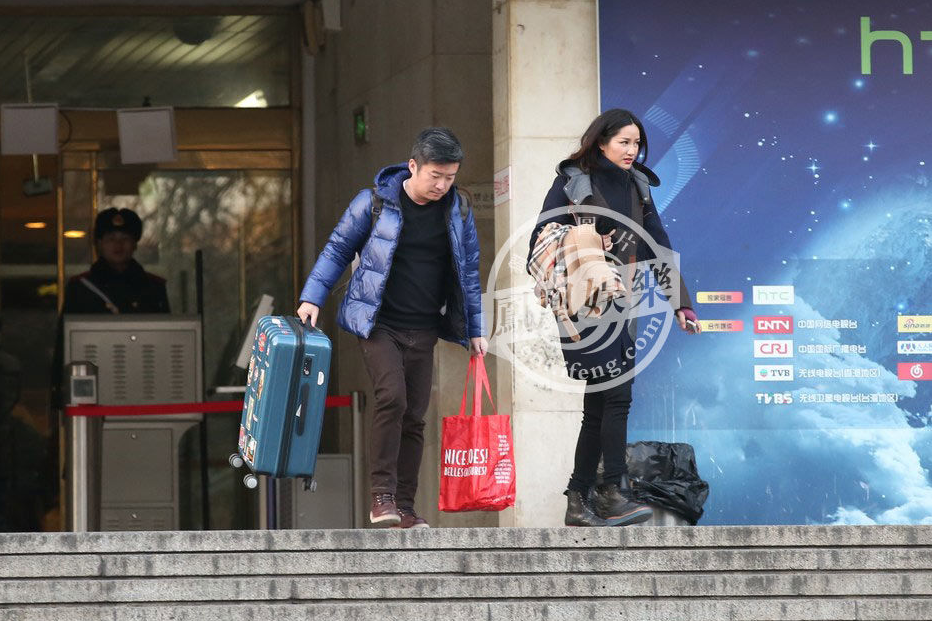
[{"x": 417, "y": 281}]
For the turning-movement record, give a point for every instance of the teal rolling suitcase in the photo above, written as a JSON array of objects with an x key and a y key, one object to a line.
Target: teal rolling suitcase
[{"x": 283, "y": 408}]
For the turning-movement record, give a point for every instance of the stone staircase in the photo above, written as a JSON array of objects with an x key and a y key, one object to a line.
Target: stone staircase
[{"x": 651, "y": 573}]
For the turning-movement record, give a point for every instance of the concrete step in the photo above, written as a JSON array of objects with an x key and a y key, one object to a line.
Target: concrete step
[
  {"x": 493, "y": 587},
  {"x": 737, "y": 609},
  {"x": 793, "y": 573},
  {"x": 461, "y": 562},
  {"x": 468, "y": 538}
]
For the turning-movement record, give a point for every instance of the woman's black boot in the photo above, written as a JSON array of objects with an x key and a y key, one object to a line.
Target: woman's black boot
[
  {"x": 618, "y": 507},
  {"x": 578, "y": 511}
]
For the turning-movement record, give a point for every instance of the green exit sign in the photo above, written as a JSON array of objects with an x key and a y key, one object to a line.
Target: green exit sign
[{"x": 361, "y": 124}]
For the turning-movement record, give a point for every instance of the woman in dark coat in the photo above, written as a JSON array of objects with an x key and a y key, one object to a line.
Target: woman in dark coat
[{"x": 608, "y": 172}]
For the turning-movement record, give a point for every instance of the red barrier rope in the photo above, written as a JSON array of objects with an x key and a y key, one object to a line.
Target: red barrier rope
[{"x": 163, "y": 409}]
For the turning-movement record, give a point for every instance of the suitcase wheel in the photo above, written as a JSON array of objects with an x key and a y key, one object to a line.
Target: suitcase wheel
[
  {"x": 250, "y": 481},
  {"x": 310, "y": 485},
  {"x": 236, "y": 460}
]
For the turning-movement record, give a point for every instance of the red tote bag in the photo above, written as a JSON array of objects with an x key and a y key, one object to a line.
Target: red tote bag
[{"x": 477, "y": 471}]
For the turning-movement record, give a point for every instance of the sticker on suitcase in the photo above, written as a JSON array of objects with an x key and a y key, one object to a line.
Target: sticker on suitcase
[{"x": 250, "y": 408}]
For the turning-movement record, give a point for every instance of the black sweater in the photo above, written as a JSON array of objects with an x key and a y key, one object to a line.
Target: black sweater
[{"x": 416, "y": 287}]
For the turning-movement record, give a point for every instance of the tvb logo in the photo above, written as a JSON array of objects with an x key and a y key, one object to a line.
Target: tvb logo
[
  {"x": 869, "y": 37},
  {"x": 773, "y": 372}
]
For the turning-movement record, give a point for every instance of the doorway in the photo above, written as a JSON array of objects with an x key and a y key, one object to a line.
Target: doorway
[{"x": 231, "y": 193}]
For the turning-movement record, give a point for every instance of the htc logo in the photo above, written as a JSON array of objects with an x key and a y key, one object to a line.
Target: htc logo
[{"x": 869, "y": 37}]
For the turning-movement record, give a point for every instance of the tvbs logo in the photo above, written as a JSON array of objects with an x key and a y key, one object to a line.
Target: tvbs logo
[
  {"x": 774, "y": 398},
  {"x": 869, "y": 37},
  {"x": 773, "y": 349},
  {"x": 779, "y": 324}
]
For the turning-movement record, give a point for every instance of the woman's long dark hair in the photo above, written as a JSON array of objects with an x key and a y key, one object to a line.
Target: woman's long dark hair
[{"x": 601, "y": 131}]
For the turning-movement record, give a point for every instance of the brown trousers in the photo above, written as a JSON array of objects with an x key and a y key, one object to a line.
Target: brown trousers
[{"x": 401, "y": 366}]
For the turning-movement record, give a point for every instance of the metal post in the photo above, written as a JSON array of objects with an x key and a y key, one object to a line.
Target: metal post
[
  {"x": 78, "y": 472},
  {"x": 202, "y": 425},
  {"x": 271, "y": 504},
  {"x": 262, "y": 491},
  {"x": 359, "y": 499}
]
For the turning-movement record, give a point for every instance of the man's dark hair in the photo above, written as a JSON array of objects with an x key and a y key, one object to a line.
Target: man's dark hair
[{"x": 438, "y": 145}]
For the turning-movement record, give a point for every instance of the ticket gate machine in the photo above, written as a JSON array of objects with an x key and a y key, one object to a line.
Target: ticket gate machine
[{"x": 123, "y": 471}]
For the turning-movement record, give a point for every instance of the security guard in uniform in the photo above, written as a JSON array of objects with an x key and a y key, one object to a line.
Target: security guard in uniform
[{"x": 116, "y": 283}]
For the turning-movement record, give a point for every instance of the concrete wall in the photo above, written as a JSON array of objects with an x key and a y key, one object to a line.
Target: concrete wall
[
  {"x": 545, "y": 95},
  {"x": 414, "y": 64},
  {"x": 517, "y": 81}
]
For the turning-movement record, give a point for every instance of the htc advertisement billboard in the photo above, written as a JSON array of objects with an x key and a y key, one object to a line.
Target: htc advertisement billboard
[{"x": 795, "y": 156}]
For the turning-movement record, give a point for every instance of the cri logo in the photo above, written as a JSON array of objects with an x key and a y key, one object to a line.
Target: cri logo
[
  {"x": 773, "y": 349},
  {"x": 779, "y": 324}
]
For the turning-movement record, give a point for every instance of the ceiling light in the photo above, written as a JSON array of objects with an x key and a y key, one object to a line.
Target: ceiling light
[
  {"x": 74, "y": 234},
  {"x": 256, "y": 99},
  {"x": 35, "y": 225}
]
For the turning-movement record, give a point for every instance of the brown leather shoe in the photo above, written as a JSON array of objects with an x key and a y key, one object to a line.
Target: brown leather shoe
[
  {"x": 384, "y": 512},
  {"x": 410, "y": 519}
]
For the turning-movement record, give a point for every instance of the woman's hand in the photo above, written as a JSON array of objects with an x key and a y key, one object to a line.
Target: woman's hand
[
  {"x": 686, "y": 314},
  {"x": 607, "y": 242}
]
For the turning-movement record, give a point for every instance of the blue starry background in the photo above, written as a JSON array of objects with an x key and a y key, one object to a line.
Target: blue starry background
[{"x": 782, "y": 164}]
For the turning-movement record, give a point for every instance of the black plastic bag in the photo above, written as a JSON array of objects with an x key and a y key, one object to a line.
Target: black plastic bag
[{"x": 665, "y": 474}]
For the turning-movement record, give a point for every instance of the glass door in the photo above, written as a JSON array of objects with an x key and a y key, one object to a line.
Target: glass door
[
  {"x": 28, "y": 314},
  {"x": 240, "y": 219}
]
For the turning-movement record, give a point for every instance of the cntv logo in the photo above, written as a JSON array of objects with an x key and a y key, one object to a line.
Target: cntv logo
[
  {"x": 869, "y": 37},
  {"x": 779, "y": 324}
]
